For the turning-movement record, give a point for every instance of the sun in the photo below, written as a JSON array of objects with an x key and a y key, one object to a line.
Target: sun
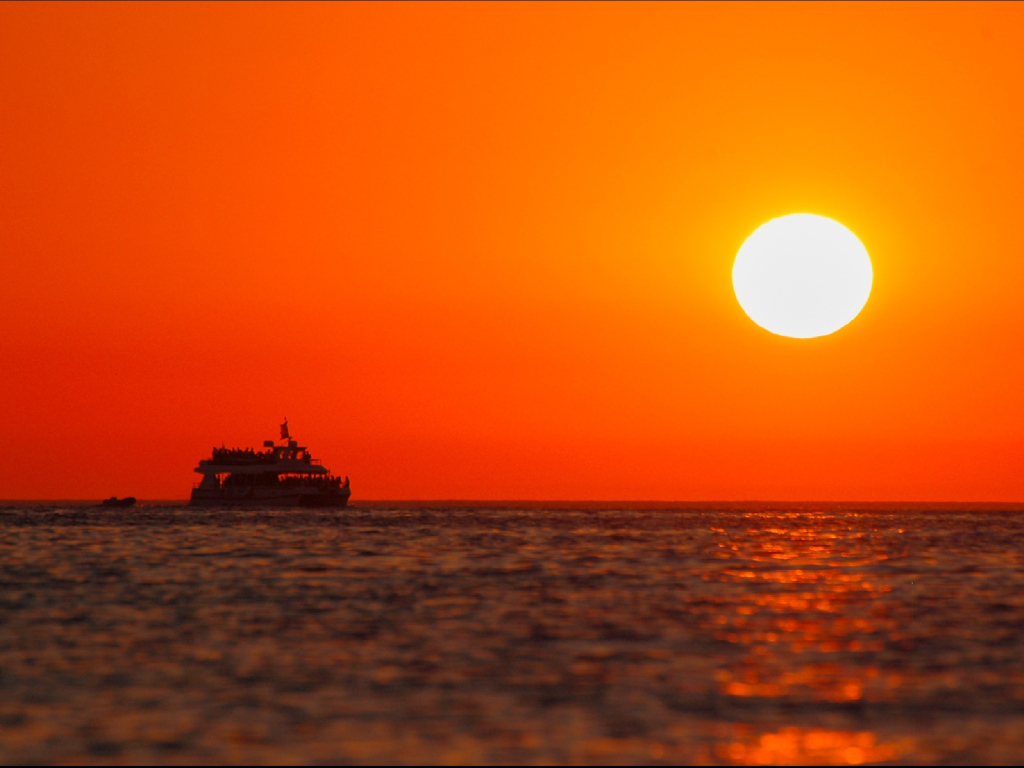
[{"x": 802, "y": 276}]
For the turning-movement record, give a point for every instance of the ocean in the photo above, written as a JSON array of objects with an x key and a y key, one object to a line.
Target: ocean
[{"x": 464, "y": 633}]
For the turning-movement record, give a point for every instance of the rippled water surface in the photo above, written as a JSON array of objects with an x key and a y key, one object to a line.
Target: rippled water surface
[{"x": 744, "y": 635}]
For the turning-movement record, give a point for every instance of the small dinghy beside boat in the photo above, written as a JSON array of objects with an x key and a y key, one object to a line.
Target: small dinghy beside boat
[{"x": 113, "y": 501}]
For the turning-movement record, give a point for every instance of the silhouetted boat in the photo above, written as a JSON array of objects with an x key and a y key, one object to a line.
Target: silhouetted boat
[
  {"x": 113, "y": 501},
  {"x": 283, "y": 475}
]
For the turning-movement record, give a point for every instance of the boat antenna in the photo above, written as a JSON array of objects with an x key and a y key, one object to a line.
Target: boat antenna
[{"x": 284, "y": 429}]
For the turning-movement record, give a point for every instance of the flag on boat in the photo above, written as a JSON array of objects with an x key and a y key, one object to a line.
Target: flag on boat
[{"x": 284, "y": 430}]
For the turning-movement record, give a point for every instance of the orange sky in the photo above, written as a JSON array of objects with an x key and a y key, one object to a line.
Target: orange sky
[{"x": 485, "y": 251}]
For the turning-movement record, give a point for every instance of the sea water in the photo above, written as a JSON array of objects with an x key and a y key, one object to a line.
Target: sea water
[{"x": 742, "y": 634}]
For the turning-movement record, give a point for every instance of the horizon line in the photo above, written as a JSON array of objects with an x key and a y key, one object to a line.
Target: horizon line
[{"x": 569, "y": 503}]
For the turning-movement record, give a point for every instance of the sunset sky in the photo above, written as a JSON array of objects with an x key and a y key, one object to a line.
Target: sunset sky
[{"x": 485, "y": 251}]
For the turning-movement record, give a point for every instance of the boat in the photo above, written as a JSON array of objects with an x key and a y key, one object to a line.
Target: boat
[
  {"x": 284, "y": 475},
  {"x": 113, "y": 501}
]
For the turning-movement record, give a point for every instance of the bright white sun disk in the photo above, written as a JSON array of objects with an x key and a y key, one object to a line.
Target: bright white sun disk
[{"x": 802, "y": 276}]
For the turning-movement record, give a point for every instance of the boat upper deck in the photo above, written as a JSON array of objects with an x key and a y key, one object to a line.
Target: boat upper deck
[{"x": 278, "y": 459}]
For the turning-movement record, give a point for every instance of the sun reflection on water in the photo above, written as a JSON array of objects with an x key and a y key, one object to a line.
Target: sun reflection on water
[
  {"x": 806, "y": 613},
  {"x": 795, "y": 746}
]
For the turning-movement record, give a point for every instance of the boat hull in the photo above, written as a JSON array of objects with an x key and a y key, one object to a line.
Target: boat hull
[{"x": 270, "y": 497}]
